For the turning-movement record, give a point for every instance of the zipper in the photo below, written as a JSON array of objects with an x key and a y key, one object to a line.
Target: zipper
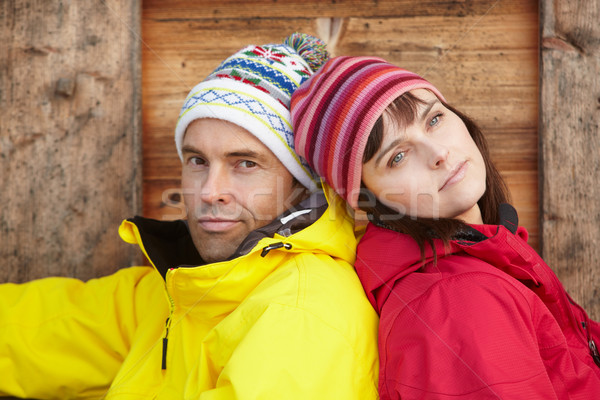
[
  {"x": 165, "y": 340},
  {"x": 591, "y": 344},
  {"x": 594, "y": 352},
  {"x": 587, "y": 334}
]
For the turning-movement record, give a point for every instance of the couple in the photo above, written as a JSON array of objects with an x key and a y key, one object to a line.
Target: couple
[{"x": 261, "y": 293}]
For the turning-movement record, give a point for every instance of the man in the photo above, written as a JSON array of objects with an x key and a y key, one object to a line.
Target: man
[{"x": 254, "y": 296}]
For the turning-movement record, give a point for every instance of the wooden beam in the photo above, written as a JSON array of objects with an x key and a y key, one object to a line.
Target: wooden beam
[
  {"x": 570, "y": 146},
  {"x": 70, "y": 136},
  {"x": 181, "y": 10}
]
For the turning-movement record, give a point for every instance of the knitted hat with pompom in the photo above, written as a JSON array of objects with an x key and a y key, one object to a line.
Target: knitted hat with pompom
[
  {"x": 335, "y": 110},
  {"x": 253, "y": 89}
]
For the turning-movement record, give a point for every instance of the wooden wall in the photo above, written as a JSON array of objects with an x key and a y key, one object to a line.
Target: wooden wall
[
  {"x": 570, "y": 146},
  {"x": 70, "y": 137},
  {"x": 483, "y": 55}
]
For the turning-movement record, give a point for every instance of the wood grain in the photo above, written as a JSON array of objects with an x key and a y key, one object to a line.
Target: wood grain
[
  {"x": 483, "y": 55},
  {"x": 570, "y": 146},
  {"x": 253, "y": 9},
  {"x": 70, "y": 122}
]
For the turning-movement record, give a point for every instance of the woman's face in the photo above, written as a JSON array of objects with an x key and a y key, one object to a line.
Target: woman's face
[{"x": 431, "y": 168}]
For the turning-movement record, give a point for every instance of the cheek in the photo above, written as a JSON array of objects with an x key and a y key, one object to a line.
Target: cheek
[
  {"x": 191, "y": 188},
  {"x": 479, "y": 164},
  {"x": 417, "y": 197},
  {"x": 188, "y": 188},
  {"x": 189, "y": 203},
  {"x": 189, "y": 180},
  {"x": 396, "y": 196}
]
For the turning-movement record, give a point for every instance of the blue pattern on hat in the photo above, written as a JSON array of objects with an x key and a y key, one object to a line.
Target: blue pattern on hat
[
  {"x": 245, "y": 102},
  {"x": 256, "y": 69},
  {"x": 270, "y": 67}
]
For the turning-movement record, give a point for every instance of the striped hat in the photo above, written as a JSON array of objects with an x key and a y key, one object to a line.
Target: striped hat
[
  {"x": 253, "y": 89},
  {"x": 335, "y": 110}
]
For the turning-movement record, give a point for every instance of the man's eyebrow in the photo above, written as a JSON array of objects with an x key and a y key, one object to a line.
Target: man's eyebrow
[
  {"x": 422, "y": 114},
  {"x": 189, "y": 149},
  {"x": 244, "y": 153},
  {"x": 235, "y": 153}
]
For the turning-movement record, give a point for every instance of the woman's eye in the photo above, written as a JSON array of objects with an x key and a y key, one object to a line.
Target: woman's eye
[
  {"x": 397, "y": 158},
  {"x": 434, "y": 121},
  {"x": 247, "y": 164}
]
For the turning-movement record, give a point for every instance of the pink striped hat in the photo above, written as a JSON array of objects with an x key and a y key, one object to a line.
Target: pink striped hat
[{"x": 334, "y": 111}]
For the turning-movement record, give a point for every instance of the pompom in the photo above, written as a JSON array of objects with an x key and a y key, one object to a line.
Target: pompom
[{"x": 310, "y": 48}]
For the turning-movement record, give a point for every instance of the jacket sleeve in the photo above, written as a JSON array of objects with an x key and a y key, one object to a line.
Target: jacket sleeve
[
  {"x": 63, "y": 338},
  {"x": 290, "y": 353},
  {"x": 469, "y": 336}
]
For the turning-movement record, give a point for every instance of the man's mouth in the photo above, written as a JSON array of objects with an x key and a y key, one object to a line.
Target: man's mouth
[{"x": 215, "y": 224}]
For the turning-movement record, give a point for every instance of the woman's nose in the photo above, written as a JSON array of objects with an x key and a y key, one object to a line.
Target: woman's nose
[{"x": 438, "y": 153}]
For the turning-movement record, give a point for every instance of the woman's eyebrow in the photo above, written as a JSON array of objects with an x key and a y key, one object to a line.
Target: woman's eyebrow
[
  {"x": 422, "y": 114},
  {"x": 427, "y": 107},
  {"x": 388, "y": 149}
]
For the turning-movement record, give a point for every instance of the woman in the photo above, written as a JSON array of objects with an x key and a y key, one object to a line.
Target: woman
[{"x": 467, "y": 308}]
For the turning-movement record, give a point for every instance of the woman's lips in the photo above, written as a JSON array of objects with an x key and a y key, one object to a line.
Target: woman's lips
[{"x": 456, "y": 175}]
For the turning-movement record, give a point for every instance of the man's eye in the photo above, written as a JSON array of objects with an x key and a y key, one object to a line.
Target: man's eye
[
  {"x": 197, "y": 161},
  {"x": 247, "y": 164}
]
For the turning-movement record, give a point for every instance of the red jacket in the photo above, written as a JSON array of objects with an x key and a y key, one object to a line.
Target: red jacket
[{"x": 489, "y": 321}]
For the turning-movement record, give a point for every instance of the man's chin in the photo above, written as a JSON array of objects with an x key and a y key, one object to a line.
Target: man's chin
[{"x": 215, "y": 249}]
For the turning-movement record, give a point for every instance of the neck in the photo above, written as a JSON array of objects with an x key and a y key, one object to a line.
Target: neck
[{"x": 471, "y": 216}]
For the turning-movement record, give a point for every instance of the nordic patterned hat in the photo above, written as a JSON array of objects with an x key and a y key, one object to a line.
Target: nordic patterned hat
[
  {"x": 335, "y": 110},
  {"x": 253, "y": 89}
]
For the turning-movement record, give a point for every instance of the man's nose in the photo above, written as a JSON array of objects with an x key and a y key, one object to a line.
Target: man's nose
[{"x": 216, "y": 187}]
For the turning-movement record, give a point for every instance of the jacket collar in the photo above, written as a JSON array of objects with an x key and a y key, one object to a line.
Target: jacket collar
[
  {"x": 477, "y": 233},
  {"x": 168, "y": 244},
  {"x": 386, "y": 256},
  {"x": 319, "y": 224},
  {"x": 212, "y": 291}
]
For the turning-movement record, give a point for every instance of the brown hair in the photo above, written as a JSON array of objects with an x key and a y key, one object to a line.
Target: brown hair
[{"x": 424, "y": 230}]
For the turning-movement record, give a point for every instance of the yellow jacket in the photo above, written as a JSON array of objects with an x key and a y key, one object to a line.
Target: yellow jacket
[{"x": 291, "y": 322}]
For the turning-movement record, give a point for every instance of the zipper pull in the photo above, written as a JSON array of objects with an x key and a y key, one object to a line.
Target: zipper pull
[
  {"x": 274, "y": 246},
  {"x": 164, "y": 353},
  {"x": 165, "y": 343},
  {"x": 594, "y": 352}
]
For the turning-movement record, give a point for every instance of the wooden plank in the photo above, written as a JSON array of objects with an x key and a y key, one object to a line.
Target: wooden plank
[
  {"x": 70, "y": 122},
  {"x": 225, "y": 9},
  {"x": 485, "y": 61},
  {"x": 569, "y": 146}
]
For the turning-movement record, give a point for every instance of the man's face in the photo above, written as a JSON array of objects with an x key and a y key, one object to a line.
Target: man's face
[{"x": 232, "y": 185}]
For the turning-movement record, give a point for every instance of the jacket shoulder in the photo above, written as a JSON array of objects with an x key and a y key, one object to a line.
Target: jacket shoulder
[
  {"x": 325, "y": 286},
  {"x": 468, "y": 320}
]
